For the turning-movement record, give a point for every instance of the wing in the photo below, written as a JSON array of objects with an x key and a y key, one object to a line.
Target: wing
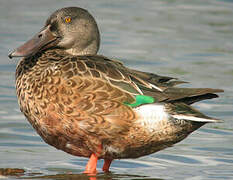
[
  {"x": 91, "y": 92},
  {"x": 134, "y": 82}
]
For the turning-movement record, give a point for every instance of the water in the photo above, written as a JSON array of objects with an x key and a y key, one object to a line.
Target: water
[{"x": 191, "y": 40}]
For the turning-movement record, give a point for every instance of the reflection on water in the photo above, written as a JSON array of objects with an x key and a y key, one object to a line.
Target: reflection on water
[
  {"x": 191, "y": 40},
  {"x": 21, "y": 174},
  {"x": 106, "y": 176}
]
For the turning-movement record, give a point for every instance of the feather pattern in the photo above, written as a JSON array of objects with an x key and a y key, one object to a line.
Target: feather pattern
[
  {"x": 87, "y": 95},
  {"x": 92, "y": 106}
]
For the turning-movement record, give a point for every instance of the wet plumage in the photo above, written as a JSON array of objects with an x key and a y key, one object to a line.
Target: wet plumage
[{"x": 80, "y": 102}]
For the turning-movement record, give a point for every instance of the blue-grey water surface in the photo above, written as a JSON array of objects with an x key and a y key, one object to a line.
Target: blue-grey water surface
[{"x": 188, "y": 39}]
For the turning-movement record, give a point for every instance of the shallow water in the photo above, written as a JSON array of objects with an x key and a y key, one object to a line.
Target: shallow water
[{"x": 191, "y": 40}]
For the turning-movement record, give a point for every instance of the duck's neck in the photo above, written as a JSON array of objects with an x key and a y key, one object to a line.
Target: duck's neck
[{"x": 91, "y": 48}]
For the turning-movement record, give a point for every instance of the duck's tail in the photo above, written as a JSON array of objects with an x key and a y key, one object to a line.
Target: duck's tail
[
  {"x": 197, "y": 119},
  {"x": 182, "y": 111}
]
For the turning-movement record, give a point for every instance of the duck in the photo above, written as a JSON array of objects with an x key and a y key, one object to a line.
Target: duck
[{"x": 89, "y": 105}]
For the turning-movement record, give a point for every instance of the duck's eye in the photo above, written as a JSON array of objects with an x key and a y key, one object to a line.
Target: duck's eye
[{"x": 68, "y": 19}]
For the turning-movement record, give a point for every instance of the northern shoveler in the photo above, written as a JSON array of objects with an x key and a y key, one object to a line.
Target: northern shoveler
[{"x": 92, "y": 106}]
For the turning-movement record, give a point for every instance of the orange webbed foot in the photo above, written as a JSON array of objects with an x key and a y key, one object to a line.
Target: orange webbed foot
[{"x": 91, "y": 165}]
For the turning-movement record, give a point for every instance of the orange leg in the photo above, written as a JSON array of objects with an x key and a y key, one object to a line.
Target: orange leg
[
  {"x": 106, "y": 166},
  {"x": 91, "y": 165}
]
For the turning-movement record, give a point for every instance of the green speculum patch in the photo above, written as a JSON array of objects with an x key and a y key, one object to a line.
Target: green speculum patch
[{"x": 140, "y": 99}]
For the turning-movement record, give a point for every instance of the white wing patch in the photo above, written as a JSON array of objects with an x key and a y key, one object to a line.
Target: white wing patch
[{"x": 150, "y": 115}]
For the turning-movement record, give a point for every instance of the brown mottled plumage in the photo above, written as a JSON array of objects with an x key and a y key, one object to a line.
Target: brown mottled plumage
[{"x": 76, "y": 100}]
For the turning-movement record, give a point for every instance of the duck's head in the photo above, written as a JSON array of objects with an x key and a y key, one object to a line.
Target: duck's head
[{"x": 72, "y": 29}]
